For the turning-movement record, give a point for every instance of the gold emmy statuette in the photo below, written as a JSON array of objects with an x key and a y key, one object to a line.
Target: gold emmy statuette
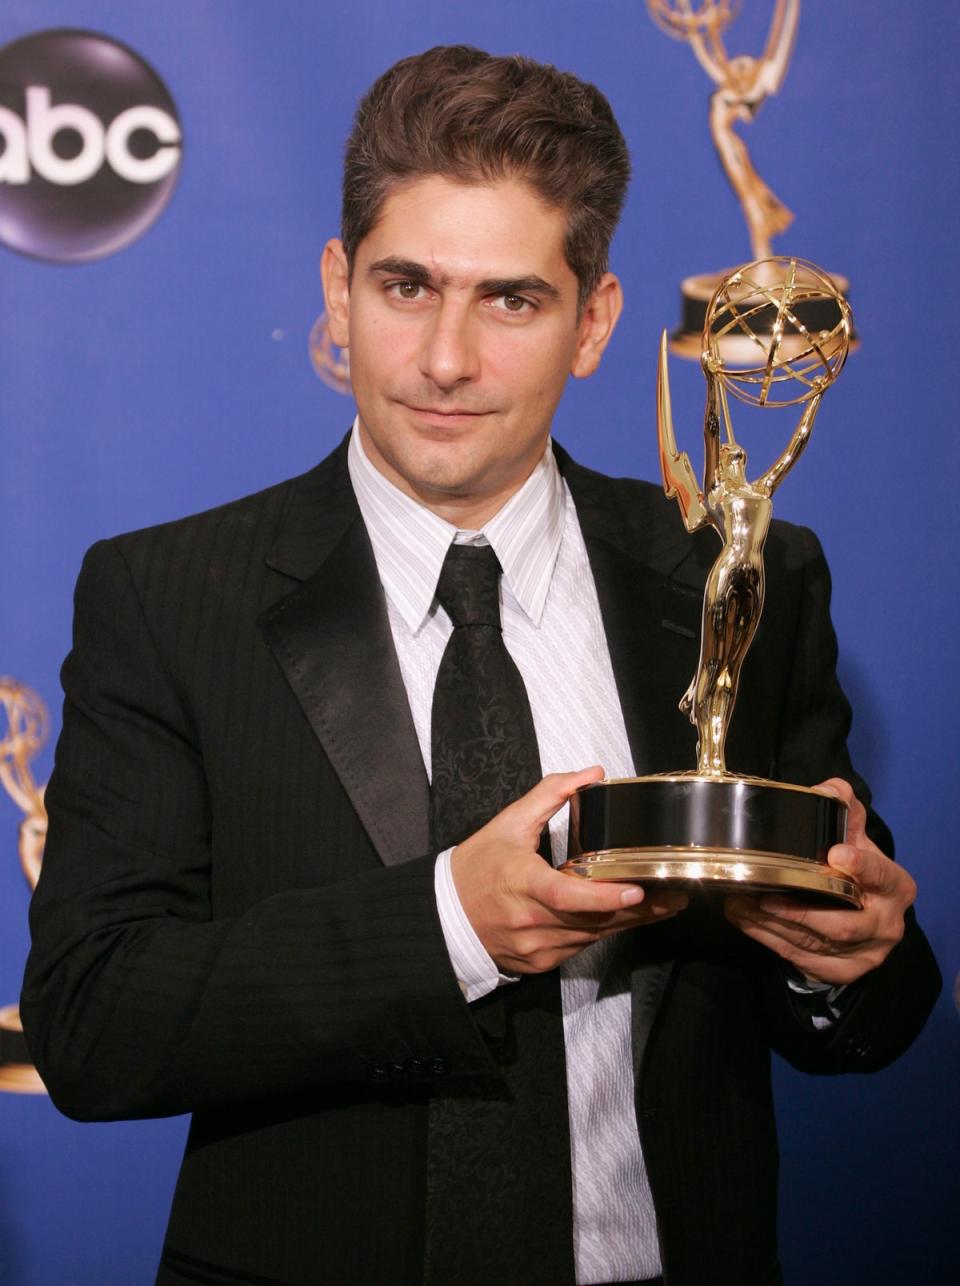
[
  {"x": 743, "y": 83},
  {"x": 27, "y": 729},
  {"x": 709, "y": 827}
]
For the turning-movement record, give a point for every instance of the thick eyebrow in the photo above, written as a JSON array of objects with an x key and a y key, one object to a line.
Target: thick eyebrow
[
  {"x": 518, "y": 286},
  {"x": 410, "y": 270}
]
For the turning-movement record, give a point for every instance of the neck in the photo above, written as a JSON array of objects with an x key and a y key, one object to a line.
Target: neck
[
  {"x": 468, "y": 508},
  {"x": 467, "y": 513}
]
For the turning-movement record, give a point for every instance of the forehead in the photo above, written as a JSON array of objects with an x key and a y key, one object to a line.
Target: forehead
[{"x": 469, "y": 231}]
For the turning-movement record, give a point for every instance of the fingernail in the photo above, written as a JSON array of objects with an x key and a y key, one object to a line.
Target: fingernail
[
  {"x": 844, "y": 856},
  {"x": 631, "y": 896}
]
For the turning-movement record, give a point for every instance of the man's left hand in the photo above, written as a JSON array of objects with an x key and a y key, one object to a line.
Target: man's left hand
[{"x": 833, "y": 944}]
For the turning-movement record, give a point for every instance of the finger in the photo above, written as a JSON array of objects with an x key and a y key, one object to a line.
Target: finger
[
  {"x": 646, "y": 914},
  {"x": 804, "y": 937},
  {"x": 574, "y": 895},
  {"x": 836, "y": 786},
  {"x": 534, "y": 809},
  {"x": 811, "y": 929},
  {"x": 856, "y": 813},
  {"x": 834, "y": 944},
  {"x": 820, "y": 964},
  {"x": 569, "y": 931},
  {"x": 666, "y": 898},
  {"x": 876, "y": 875}
]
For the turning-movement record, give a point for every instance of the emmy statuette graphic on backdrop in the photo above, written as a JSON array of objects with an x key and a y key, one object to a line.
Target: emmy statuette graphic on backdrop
[
  {"x": 330, "y": 362},
  {"x": 743, "y": 83},
  {"x": 27, "y": 729},
  {"x": 709, "y": 827}
]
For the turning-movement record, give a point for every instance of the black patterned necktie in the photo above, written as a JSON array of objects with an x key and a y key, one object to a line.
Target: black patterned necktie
[
  {"x": 484, "y": 747},
  {"x": 491, "y": 1140}
]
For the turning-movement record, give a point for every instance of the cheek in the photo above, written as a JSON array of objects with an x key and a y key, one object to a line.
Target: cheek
[
  {"x": 536, "y": 371},
  {"x": 379, "y": 353}
]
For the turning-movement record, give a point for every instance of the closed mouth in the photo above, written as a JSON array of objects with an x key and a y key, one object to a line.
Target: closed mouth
[{"x": 452, "y": 412}]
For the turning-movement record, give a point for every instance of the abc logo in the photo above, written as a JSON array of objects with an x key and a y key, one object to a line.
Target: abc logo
[{"x": 89, "y": 146}]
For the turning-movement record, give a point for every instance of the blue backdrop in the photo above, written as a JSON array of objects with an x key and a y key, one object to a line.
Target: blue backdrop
[{"x": 175, "y": 374}]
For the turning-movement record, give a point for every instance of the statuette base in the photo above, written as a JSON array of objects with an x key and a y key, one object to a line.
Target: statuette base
[
  {"x": 722, "y": 834},
  {"x": 818, "y": 314}
]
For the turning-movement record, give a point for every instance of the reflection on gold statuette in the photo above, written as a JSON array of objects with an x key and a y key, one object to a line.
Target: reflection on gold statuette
[
  {"x": 742, "y": 85},
  {"x": 27, "y": 729},
  {"x": 709, "y": 826}
]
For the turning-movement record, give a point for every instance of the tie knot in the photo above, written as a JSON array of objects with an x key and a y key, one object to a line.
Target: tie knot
[{"x": 469, "y": 586}]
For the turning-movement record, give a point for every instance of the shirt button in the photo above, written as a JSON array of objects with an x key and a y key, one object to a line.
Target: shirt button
[
  {"x": 397, "y": 1072},
  {"x": 439, "y": 1067},
  {"x": 418, "y": 1066},
  {"x": 377, "y": 1073}
]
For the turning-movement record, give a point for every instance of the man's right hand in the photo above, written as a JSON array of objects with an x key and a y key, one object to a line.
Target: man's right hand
[{"x": 528, "y": 916}]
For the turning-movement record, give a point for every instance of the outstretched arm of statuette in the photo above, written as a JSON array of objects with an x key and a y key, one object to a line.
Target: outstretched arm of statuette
[
  {"x": 716, "y": 418},
  {"x": 678, "y": 477},
  {"x": 779, "y": 47},
  {"x": 791, "y": 454},
  {"x": 711, "y": 54}
]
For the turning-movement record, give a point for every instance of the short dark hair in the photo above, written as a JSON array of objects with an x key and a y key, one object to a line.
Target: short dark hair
[{"x": 473, "y": 117}]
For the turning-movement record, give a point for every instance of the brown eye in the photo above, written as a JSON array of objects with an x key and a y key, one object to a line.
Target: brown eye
[
  {"x": 514, "y": 303},
  {"x": 408, "y": 289}
]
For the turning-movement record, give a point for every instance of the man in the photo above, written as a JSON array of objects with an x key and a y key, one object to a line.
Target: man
[{"x": 286, "y": 891}]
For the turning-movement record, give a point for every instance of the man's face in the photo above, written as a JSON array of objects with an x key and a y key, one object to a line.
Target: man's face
[{"x": 461, "y": 323}]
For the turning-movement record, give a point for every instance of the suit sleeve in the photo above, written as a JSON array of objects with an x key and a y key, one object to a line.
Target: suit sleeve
[
  {"x": 883, "y": 1012},
  {"x": 136, "y": 1002}
]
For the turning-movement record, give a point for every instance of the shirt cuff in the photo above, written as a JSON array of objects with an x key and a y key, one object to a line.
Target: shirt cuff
[
  {"x": 476, "y": 972},
  {"x": 820, "y": 1002}
]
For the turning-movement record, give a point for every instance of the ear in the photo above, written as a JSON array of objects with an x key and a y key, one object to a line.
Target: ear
[
  {"x": 600, "y": 314},
  {"x": 335, "y": 276}
]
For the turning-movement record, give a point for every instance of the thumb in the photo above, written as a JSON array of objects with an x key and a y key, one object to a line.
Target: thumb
[
  {"x": 537, "y": 806},
  {"x": 856, "y": 813}
]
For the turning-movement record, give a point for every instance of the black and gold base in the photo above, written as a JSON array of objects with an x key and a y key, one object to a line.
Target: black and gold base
[
  {"x": 815, "y": 314},
  {"x": 725, "y": 833}
]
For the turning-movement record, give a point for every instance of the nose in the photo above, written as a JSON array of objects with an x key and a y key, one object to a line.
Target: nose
[{"x": 449, "y": 355}]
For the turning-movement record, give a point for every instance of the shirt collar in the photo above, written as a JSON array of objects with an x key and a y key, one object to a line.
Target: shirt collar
[{"x": 410, "y": 542}]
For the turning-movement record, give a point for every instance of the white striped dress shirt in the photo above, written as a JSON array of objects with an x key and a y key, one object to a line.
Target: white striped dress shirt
[{"x": 553, "y": 630}]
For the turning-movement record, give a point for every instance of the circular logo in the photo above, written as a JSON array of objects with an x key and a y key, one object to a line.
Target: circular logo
[
  {"x": 331, "y": 363},
  {"x": 89, "y": 146}
]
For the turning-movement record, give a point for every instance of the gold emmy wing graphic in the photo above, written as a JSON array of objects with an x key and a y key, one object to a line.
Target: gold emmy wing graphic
[
  {"x": 742, "y": 85},
  {"x": 25, "y": 730},
  {"x": 707, "y": 826}
]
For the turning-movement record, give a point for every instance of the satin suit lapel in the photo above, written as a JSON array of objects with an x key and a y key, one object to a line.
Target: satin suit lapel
[{"x": 331, "y": 636}]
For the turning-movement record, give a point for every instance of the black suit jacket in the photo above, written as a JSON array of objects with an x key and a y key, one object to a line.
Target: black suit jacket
[{"x": 236, "y": 915}]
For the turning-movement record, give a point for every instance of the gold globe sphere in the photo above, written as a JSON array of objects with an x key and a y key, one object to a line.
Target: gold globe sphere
[{"x": 777, "y": 331}]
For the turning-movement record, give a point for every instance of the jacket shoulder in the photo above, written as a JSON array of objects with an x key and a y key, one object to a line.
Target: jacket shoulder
[
  {"x": 246, "y": 513},
  {"x": 236, "y": 536},
  {"x": 637, "y": 515}
]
